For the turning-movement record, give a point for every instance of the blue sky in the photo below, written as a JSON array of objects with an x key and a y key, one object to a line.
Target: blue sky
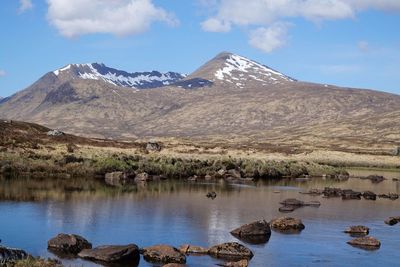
[{"x": 353, "y": 43}]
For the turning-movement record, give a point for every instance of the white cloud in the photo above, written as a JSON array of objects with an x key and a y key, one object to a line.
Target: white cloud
[
  {"x": 25, "y": 5},
  {"x": 215, "y": 25},
  {"x": 269, "y": 39},
  {"x": 264, "y": 13},
  {"x": 2, "y": 73},
  {"x": 119, "y": 17}
]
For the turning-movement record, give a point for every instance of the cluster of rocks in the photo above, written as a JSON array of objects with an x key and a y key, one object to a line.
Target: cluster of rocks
[
  {"x": 230, "y": 175},
  {"x": 329, "y": 192},
  {"x": 290, "y": 204},
  {"x": 361, "y": 239},
  {"x": 70, "y": 245},
  {"x": 55, "y": 133}
]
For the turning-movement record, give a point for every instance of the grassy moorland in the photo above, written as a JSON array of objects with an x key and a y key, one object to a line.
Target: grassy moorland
[{"x": 27, "y": 150}]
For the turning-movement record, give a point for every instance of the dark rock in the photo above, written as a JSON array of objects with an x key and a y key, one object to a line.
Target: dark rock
[
  {"x": 368, "y": 242},
  {"x": 350, "y": 194},
  {"x": 396, "y": 179},
  {"x": 369, "y": 195},
  {"x": 375, "y": 178},
  {"x": 332, "y": 192},
  {"x": 287, "y": 224},
  {"x": 113, "y": 254},
  {"x": 392, "y": 220},
  {"x": 287, "y": 209},
  {"x": 211, "y": 195},
  {"x": 357, "y": 230},
  {"x": 153, "y": 146},
  {"x": 11, "y": 254},
  {"x": 390, "y": 196},
  {"x": 254, "y": 233},
  {"x": 292, "y": 202},
  {"x": 189, "y": 249},
  {"x": 163, "y": 254},
  {"x": 314, "y": 192},
  {"x": 70, "y": 244},
  {"x": 231, "y": 250}
]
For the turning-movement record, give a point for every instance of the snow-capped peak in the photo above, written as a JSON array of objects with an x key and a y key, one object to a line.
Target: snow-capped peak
[
  {"x": 139, "y": 80},
  {"x": 238, "y": 69}
]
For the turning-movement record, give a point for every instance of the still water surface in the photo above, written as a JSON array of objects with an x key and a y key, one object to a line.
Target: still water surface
[{"x": 173, "y": 212}]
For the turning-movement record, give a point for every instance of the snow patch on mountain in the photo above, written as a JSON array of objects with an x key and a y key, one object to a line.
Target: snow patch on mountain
[
  {"x": 139, "y": 80},
  {"x": 236, "y": 67}
]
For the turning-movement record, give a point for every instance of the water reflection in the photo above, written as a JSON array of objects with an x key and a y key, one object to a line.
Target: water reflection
[{"x": 174, "y": 212}]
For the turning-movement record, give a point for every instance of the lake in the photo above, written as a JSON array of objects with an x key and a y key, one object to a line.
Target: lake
[{"x": 177, "y": 212}]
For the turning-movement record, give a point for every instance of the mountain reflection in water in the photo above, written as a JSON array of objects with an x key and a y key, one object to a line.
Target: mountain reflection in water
[{"x": 177, "y": 212}]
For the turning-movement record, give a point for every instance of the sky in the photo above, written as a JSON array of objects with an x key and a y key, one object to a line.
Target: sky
[{"x": 352, "y": 43}]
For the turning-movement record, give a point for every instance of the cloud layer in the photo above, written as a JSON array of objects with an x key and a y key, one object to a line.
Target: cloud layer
[
  {"x": 263, "y": 15},
  {"x": 73, "y": 18}
]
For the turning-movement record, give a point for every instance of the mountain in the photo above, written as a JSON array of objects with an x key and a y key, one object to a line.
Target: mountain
[
  {"x": 137, "y": 80},
  {"x": 230, "y": 99}
]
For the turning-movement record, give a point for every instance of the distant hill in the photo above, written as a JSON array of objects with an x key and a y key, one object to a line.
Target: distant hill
[{"x": 230, "y": 98}]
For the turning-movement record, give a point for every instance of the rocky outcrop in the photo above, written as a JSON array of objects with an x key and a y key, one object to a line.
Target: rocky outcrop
[
  {"x": 231, "y": 250},
  {"x": 11, "y": 254},
  {"x": 367, "y": 242},
  {"x": 287, "y": 224},
  {"x": 254, "y": 233},
  {"x": 128, "y": 254},
  {"x": 163, "y": 254},
  {"x": 190, "y": 249},
  {"x": 68, "y": 243},
  {"x": 357, "y": 230}
]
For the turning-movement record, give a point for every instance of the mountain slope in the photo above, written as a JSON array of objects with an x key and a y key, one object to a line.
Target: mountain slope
[{"x": 231, "y": 99}]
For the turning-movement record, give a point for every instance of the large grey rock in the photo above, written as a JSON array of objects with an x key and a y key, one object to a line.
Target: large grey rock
[
  {"x": 128, "y": 254},
  {"x": 55, "y": 133},
  {"x": 190, "y": 249},
  {"x": 11, "y": 254},
  {"x": 357, "y": 230},
  {"x": 68, "y": 243},
  {"x": 163, "y": 254},
  {"x": 255, "y": 233},
  {"x": 231, "y": 250}
]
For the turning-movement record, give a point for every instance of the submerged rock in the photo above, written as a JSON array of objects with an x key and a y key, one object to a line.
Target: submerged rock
[
  {"x": 11, "y": 254},
  {"x": 142, "y": 177},
  {"x": 163, "y": 254},
  {"x": 68, "y": 243},
  {"x": 189, "y": 249},
  {"x": 211, "y": 195},
  {"x": 375, "y": 178},
  {"x": 287, "y": 224},
  {"x": 291, "y": 204},
  {"x": 368, "y": 242},
  {"x": 231, "y": 250},
  {"x": 392, "y": 220},
  {"x": 254, "y": 233},
  {"x": 128, "y": 254},
  {"x": 391, "y": 196},
  {"x": 357, "y": 230},
  {"x": 350, "y": 194},
  {"x": 369, "y": 195},
  {"x": 116, "y": 178}
]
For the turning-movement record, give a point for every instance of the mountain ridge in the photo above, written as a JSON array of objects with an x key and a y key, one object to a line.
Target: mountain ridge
[{"x": 266, "y": 106}]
